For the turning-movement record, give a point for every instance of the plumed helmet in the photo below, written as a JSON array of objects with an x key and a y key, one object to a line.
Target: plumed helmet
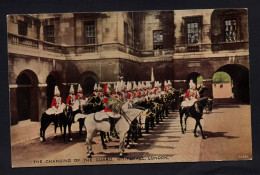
[
  {"x": 71, "y": 88},
  {"x": 79, "y": 88},
  {"x": 191, "y": 84},
  {"x": 56, "y": 90}
]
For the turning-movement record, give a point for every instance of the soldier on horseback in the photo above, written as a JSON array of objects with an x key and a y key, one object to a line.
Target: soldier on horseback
[
  {"x": 56, "y": 101},
  {"x": 112, "y": 116},
  {"x": 71, "y": 98},
  {"x": 191, "y": 96},
  {"x": 80, "y": 95}
]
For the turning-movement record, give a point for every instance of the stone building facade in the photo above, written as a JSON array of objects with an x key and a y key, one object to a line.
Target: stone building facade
[{"x": 66, "y": 49}]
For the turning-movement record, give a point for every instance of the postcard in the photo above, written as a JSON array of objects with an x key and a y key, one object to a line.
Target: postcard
[{"x": 129, "y": 87}]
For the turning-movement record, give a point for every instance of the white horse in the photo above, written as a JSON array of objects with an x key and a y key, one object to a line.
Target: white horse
[{"x": 100, "y": 122}]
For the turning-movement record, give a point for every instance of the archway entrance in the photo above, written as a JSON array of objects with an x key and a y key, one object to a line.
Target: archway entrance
[
  {"x": 27, "y": 96},
  {"x": 52, "y": 80},
  {"x": 239, "y": 81},
  {"x": 222, "y": 85},
  {"x": 196, "y": 77},
  {"x": 87, "y": 81}
]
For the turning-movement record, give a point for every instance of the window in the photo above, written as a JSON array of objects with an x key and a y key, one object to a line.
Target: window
[
  {"x": 157, "y": 39},
  {"x": 49, "y": 33},
  {"x": 230, "y": 30},
  {"x": 90, "y": 32},
  {"x": 125, "y": 33},
  {"x": 193, "y": 32},
  {"x": 22, "y": 28}
]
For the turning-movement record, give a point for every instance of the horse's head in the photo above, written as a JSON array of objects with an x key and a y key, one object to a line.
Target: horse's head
[
  {"x": 202, "y": 102},
  {"x": 68, "y": 111},
  {"x": 210, "y": 101}
]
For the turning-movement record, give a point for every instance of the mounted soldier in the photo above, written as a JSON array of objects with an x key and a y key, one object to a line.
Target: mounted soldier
[
  {"x": 80, "y": 95},
  {"x": 191, "y": 95},
  {"x": 56, "y": 101},
  {"x": 71, "y": 98},
  {"x": 112, "y": 115},
  {"x": 129, "y": 95}
]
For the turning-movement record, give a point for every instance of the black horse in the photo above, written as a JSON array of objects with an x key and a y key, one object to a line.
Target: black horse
[
  {"x": 63, "y": 119},
  {"x": 195, "y": 111}
]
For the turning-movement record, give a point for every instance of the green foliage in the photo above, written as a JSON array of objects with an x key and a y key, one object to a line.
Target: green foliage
[
  {"x": 199, "y": 79},
  {"x": 221, "y": 77}
]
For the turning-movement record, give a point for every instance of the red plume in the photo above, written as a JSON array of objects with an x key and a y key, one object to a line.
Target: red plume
[{"x": 105, "y": 89}]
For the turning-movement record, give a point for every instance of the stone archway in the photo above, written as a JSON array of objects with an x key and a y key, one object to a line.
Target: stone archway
[
  {"x": 240, "y": 80},
  {"x": 27, "y": 96},
  {"x": 192, "y": 76},
  {"x": 87, "y": 81}
]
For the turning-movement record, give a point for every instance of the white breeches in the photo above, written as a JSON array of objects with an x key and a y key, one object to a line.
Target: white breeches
[{"x": 188, "y": 102}]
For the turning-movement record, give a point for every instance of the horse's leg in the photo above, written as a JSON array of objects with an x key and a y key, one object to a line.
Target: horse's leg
[
  {"x": 195, "y": 129},
  {"x": 69, "y": 127},
  {"x": 152, "y": 121},
  {"x": 121, "y": 144},
  {"x": 202, "y": 133},
  {"x": 108, "y": 137},
  {"x": 81, "y": 123},
  {"x": 61, "y": 129},
  {"x": 181, "y": 116},
  {"x": 166, "y": 110},
  {"x": 89, "y": 143},
  {"x": 157, "y": 117},
  {"x": 102, "y": 135},
  {"x": 128, "y": 138},
  {"x": 44, "y": 129},
  {"x": 64, "y": 133},
  {"x": 147, "y": 125},
  {"x": 185, "y": 122}
]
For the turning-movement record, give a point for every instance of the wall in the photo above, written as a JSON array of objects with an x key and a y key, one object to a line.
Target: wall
[{"x": 222, "y": 92}]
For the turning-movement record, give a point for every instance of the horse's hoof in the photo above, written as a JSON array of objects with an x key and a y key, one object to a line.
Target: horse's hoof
[
  {"x": 195, "y": 135},
  {"x": 106, "y": 141},
  {"x": 89, "y": 156},
  {"x": 109, "y": 140},
  {"x": 128, "y": 146},
  {"x": 121, "y": 155},
  {"x": 71, "y": 139},
  {"x": 182, "y": 132},
  {"x": 204, "y": 137},
  {"x": 104, "y": 147},
  {"x": 41, "y": 139},
  {"x": 65, "y": 142},
  {"x": 91, "y": 153}
]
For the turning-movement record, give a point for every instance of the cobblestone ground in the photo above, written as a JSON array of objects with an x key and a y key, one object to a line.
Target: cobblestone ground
[{"x": 228, "y": 130}]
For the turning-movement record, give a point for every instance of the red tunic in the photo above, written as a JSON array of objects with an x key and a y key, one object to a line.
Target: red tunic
[
  {"x": 139, "y": 94},
  {"x": 107, "y": 109},
  {"x": 165, "y": 89},
  {"x": 70, "y": 99},
  {"x": 155, "y": 91},
  {"x": 128, "y": 95},
  {"x": 134, "y": 94},
  {"x": 56, "y": 101},
  {"x": 80, "y": 95},
  {"x": 188, "y": 93}
]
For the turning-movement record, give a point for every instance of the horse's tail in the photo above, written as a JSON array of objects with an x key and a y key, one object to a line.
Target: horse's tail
[{"x": 99, "y": 121}]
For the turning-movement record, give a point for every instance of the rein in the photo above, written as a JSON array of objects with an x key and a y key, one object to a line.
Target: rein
[{"x": 128, "y": 120}]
